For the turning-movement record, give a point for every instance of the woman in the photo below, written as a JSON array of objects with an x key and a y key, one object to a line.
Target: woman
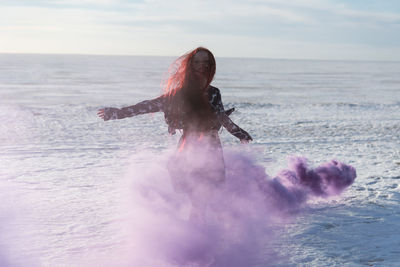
[{"x": 192, "y": 105}]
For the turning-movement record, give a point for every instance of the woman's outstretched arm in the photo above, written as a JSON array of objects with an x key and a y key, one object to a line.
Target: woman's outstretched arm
[
  {"x": 224, "y": 119},
  {"x": 147, "y": 106}
]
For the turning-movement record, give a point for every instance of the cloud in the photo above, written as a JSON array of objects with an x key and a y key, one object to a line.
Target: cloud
[
  {"x": 367, "y": 16},
  {"x": 177, "y": 24}
]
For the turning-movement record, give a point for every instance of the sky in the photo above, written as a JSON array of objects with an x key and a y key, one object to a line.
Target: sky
[{"x": 288, "y": 29}]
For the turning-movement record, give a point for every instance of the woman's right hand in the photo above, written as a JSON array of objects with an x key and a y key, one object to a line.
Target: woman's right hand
[
  {"x": 109, "y": 113},
  {"x": 101, "y": 113}
]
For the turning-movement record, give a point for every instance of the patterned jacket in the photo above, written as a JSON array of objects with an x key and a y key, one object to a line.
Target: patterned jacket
[{"x": 161, "y": 103}]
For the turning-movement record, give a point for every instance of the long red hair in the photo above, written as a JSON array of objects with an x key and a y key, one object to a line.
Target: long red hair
[
  {"x": 181, "y": 70},
  {"x": 188, "y": 106}
]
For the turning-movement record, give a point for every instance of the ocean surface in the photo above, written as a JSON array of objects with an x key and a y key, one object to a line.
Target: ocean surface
[{"x": 65, "y": 174}]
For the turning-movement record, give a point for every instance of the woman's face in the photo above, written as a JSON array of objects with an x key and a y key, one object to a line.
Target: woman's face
[{"x": 201, "y": 64}]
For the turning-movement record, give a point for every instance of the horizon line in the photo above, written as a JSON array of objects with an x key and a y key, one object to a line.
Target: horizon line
[{"x": 176, "y": 56}]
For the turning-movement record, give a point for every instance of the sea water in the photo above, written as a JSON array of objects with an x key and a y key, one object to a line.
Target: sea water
[{"x": 65, "y": 174}]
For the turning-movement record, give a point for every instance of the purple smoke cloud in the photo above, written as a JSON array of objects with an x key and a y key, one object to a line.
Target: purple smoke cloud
[{"x": 239, "y": 215}]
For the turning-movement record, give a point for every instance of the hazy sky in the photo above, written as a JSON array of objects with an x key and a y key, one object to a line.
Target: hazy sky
[{"x": 316, "y": 29}]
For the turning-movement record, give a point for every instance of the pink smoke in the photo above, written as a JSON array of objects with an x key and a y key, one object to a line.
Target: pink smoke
[{"x": 239, "y": 215}]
